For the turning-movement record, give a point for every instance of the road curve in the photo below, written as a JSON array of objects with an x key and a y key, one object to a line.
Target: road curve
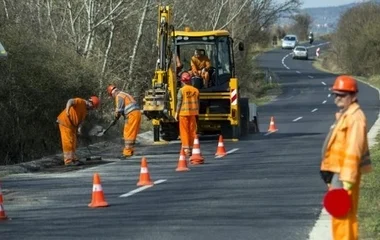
[{"x": 267, "y": 188}]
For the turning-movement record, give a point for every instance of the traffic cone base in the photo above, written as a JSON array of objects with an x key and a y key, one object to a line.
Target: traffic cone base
[
  {"x": 196, "y": 154},
  {"x": 3, "y": 216},
  {"x": 220, "y": 151},
  {"x": 98, "y": 199},
  {"x": 144, "y": 179},
  {"x": 272, "y": 126},
  {"x": 182, "y": 165}
]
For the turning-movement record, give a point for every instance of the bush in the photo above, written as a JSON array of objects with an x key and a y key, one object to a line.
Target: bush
[
  {"x": 36, "y": 81},
  {"x": 356, "y": 42}
]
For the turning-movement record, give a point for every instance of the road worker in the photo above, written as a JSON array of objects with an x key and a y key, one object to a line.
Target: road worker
[
  {"x": 345, "y": 154},
  {"x": 200, "y": 65},
  {"x": 127, "y": 107},
  {"x": 70, "y": 122},
  {"x": 187, "y": 110}
]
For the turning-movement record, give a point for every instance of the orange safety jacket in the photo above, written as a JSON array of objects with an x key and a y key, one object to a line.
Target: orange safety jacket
[
  {"x": 346, "y": 148},
  {"x": 198, "y": 63},
  {"x": 125, "y": 104},
  {"x": 188, "y": 101},
  {"x": 77, "y": 114}
]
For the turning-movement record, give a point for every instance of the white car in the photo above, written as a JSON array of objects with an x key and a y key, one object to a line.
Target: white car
[
  {"x": 300, "y": 52},
  {"x": 289, "y": 41}
]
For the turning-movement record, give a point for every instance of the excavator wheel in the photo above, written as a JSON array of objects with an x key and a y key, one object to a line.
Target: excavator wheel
[{"x": 244, "y": 117}]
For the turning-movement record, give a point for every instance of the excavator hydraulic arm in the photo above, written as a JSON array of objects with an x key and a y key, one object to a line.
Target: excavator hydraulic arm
[{"x": 159, "y": 101}]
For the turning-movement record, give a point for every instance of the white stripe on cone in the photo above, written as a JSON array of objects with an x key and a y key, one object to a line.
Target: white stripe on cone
[
  {"x": 144, "y": 170},
  {"x": 97, "y": 188}
]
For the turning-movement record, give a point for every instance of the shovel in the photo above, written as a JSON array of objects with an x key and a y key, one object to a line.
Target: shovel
[{"x": 99, "y": 134}]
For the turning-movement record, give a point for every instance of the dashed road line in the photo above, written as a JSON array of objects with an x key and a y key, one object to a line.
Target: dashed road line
[
  {"x": 229, "y": 152},
  {"x": 324, "y": 102},
  {"x": 298, "y": 72},
  {"x": 137, "y": 190},
  {"x": 315, "y": 109},
  {"x": 329, "y": 95},
  {"x": 295, "y": 120},
  {"x": 323, "y": 83},
  {"x": 310, "y": 76}
]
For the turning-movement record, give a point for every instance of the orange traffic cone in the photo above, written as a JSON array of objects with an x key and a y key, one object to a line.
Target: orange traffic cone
[
  {"x": 272, "y": 126},
  {"x": 98, "y": 199},
  {"x": 3, "y": 216},
  {"x": 144, "y": 174},
  {"x": 182, "y": 165},
  {"x": 220, "y": 151},
  {"x": 196, "y": 155}
]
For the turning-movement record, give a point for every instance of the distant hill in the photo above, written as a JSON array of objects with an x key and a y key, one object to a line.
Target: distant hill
[{"x": 325, "y": 19}]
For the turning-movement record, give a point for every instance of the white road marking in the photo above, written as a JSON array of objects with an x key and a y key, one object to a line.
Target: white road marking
[
  {"x": 283, "y": 60},
  {"x": 295, "y": 120},
  {"x": 323, "y": 83},
  {"x": 268, "y": 133},
  {"x": 315, "y": 109},
  {"x": 310, "y": 76},
  {"x": 298, "y": 72},
  {"x": 324, "y": 102},
  {"x": 329, "y": 95},
  {"x": 228, "y": 152},
  {"x": 137, "y": 190}
]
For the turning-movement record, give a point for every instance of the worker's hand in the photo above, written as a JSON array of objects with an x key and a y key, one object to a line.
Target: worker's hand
[
  {"x": 176, "y": 116},
  {"x": 347, "y": 185}
]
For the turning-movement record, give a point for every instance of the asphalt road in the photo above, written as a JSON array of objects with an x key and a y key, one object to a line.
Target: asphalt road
[{"x": 267, "y": 189}]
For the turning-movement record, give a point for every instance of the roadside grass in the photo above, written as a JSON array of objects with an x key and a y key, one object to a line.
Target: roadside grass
[{"x": 369, "y": 203}]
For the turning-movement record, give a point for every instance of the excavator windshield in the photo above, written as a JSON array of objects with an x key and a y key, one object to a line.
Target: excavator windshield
[{"x": 216, "y": 49}]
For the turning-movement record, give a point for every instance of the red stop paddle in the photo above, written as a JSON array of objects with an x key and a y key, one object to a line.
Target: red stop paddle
[{"x": 337, "y": 202}]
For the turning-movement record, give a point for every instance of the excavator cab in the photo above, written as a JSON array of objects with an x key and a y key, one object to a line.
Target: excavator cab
[
  {"x": 222, "y": 110},
  {"x": 217, "y": 46}
]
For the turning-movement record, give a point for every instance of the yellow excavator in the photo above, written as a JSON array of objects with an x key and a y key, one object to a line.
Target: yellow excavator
[{"x": 222, "y": 110}]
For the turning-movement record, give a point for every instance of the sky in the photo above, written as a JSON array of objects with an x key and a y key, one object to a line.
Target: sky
[{"x": 324, "y": 3}]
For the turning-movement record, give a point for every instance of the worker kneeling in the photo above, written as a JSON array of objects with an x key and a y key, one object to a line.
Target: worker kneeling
[{"x": 188, "y": 110}]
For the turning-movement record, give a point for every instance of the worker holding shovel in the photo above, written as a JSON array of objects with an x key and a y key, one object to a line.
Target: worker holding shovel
[
  {"x": 127, "y": 107},
  {"x": 70, "y": 121}
]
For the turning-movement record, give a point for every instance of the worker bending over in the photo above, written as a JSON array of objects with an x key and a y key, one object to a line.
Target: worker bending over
[
  {"x": 70, "y": 121},
  {"x": 127, "y": 107}
]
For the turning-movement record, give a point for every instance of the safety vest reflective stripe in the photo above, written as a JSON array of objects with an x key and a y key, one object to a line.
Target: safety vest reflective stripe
[
  {"x": 130, "y": 107},
  {"x": 68, "y": 155},
  {"x": 129, "y": 102}
]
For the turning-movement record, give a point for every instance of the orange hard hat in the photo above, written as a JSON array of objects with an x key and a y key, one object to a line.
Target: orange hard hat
[
  {"x": 345, "y": 83},
  {"x": 185, "y": 77},
  {"x": 110, "y": 88},
  {"x": 95, "y": 101}
]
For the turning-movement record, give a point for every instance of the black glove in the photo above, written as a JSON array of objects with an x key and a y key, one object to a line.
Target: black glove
[{"x": 326, "y": 176}]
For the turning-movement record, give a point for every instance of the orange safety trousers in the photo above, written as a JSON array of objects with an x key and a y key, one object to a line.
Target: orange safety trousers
[
  {"x": 347, "y": 228},
  {"x": 187, "y": 131},
  {"x": 131, "y": 129},
  {"x": 69, "y": 143}
]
